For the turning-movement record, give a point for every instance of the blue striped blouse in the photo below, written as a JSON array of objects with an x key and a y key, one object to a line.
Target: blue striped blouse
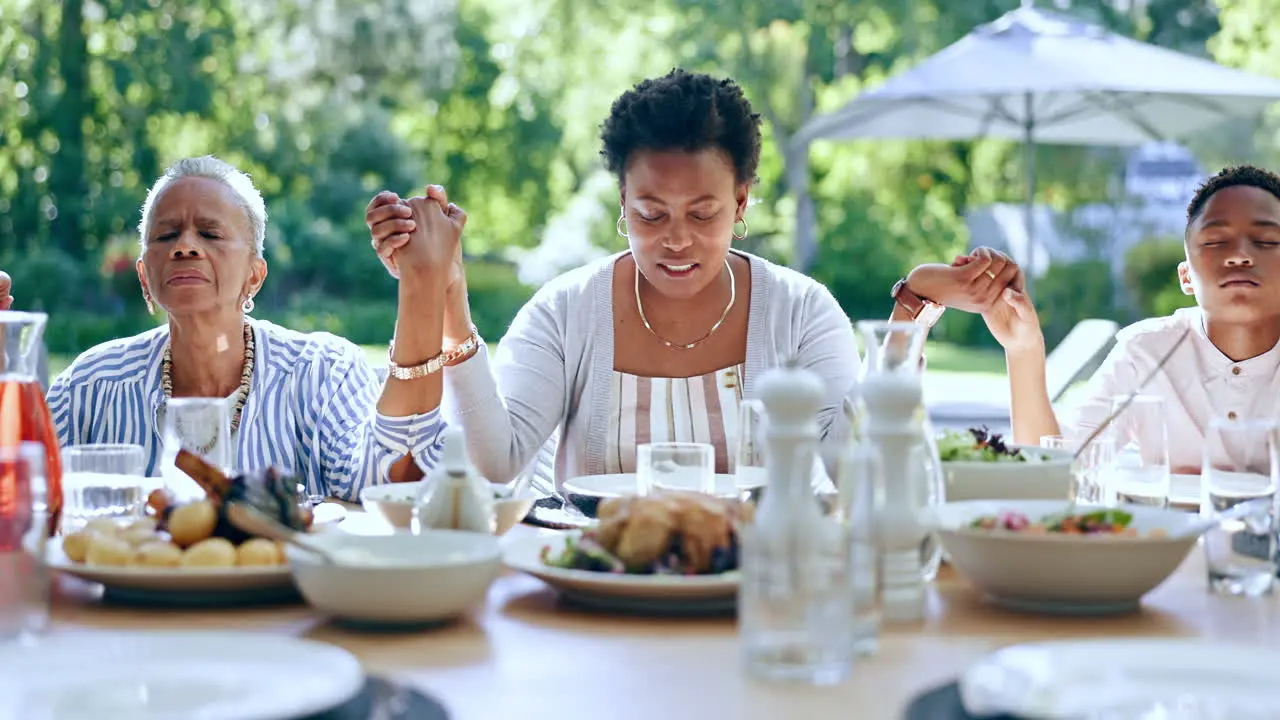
[{"x": 311, "y": 409}]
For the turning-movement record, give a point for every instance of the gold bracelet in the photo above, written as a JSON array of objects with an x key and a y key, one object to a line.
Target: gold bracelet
[
  {"x": 412, "y": 372},
  {"x": 463, "y": 352}
]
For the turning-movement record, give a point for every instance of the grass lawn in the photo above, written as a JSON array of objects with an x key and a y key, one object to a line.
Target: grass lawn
[{"x": 943, "y": 357}]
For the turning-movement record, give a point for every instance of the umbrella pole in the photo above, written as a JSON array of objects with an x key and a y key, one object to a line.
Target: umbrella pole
[{"x": 1028, "y": 210}]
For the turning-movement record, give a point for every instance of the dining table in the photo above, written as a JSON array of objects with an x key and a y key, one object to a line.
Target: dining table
[{"x": 526, "y": 654}]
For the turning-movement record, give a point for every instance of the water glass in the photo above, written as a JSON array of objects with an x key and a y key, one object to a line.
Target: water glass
[
  {"x": 24, "y": 522},
  {"x": 1140, "y": 474},
  {"x": 1053, "y": 442},
  {"x": 675, "y": 466},
  {"x": 1239, "y": 479},
  {"x": 105, "y": 480},
  {"x": 1092, "y": 471},
  {"x": 201, "y": 426},
  {"x": 861, "y": 486}
]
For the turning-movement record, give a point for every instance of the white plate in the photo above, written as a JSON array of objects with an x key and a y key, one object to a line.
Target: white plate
[
  {"x": 1126, "y": 678},
  {"x": 619, "y": 591},
  {"x": 175, "y": 676},
  {"x": 200, "y": 585},
  {"x": 618, "y": 485}
]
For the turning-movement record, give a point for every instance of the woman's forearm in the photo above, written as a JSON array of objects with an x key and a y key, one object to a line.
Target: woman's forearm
[
  {"x": 1031, "y": 412},
  {"x": 418, "y": 339}
]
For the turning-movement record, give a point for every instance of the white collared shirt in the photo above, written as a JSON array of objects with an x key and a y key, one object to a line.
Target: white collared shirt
[{"x": 1198, "y": 384}]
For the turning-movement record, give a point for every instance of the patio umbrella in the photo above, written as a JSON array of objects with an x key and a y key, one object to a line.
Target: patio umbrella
[{"x": 1044, "y": 77}]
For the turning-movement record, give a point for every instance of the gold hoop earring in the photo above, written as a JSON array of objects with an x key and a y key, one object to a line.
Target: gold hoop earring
[
  {"x": 745, "y": 229},
  {"x": 622, "y": 218},
  {"x": 247, "y": 306}
]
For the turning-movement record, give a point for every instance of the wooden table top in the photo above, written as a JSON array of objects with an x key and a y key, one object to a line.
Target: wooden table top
[{"x": 525, "y": 655}]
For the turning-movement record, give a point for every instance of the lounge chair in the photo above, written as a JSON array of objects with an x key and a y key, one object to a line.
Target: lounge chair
[{"x": 1074, "y": 359}]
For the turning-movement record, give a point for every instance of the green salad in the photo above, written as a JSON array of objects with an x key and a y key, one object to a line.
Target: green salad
[{"x": 978, "y": 445}]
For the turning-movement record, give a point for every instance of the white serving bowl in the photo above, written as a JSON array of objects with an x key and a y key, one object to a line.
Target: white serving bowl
[
  {"x": 1035, "y": 479},
  {"x": 434, "y": 576},
  {"x": 394, "y": 504},
  {"x": 1060, "y": 573}
]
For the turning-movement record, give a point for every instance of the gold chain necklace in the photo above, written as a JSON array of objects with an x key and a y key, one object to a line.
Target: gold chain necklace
[
  {"x": 733, "y": 296},
  {"x": 242, "y": 392}
]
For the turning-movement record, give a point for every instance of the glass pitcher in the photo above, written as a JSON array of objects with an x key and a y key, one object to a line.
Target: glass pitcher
[
  {"x": 24, "y": 415},
  {"x": 891, "y": 418}
]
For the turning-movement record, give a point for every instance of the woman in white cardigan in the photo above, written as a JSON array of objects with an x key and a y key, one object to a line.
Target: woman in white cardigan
[{"x": 660, "y": 342}]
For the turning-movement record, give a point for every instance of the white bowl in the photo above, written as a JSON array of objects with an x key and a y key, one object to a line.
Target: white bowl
[
  {"x": 394, "y": 504},
  {"x": 1035, "y": 479},
  {"x": 1065, "y": 573},
  {"x": 435, "y": 576}
]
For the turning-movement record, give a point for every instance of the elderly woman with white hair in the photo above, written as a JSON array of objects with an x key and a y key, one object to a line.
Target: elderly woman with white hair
[{"x": 308, "y": 403}]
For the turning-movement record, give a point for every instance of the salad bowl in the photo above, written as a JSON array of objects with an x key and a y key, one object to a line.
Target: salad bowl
[
  {"x": 1048, "y": 556},
  {"x": 978, "y": 465}
]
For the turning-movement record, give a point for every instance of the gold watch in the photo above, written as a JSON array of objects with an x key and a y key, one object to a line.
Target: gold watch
[{"x": 922, "y": 310}]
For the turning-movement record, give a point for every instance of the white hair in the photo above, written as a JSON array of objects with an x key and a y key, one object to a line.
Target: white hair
[{"x": 211, "y": 167}]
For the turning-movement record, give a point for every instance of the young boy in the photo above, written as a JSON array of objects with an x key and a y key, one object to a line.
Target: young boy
[{"x": 1226, "y": 367}]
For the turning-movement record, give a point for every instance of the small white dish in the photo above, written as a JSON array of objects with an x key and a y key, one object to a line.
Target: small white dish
[
  {"x": 1037, "y": 478},
  {"x": 394, "y": 503},
  {"x": 174, "y": 675},
  {"x": 402, "y": 578},
  {"x": 619, "y": 591},
  {"x": 1061, "y": 573},
  {"x": 327, "y": 514},
  {"x": 1131, "y": 678}
]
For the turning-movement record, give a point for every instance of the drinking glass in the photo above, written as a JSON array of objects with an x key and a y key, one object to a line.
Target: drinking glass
[
  {"x": 102, "y": 481},
  {"x": 749, "y": 468},
  {"x": 24, "y": 578},
  {"x": 1092, "y": 470},
  {"x": 201, "y": 426},
  {"x": 675, "y": 466},
  {"x": 1140, "y": 474},
  {"x": 1239, "y": 478}
]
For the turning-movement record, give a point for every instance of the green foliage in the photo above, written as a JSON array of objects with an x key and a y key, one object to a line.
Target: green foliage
[
  {"x": 1151, "y": 276},
  {"x": 327, "y": 102},
  {"x": 1071, "y": 292}
]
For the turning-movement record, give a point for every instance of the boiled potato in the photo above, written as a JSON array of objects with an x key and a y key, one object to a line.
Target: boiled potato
[
  {"x": 76, "y": 545},
  {"x": 210, "y": 553},
  {"x": 107, "y": 550},
  {"x": 158, "y": 553},
  {"x": 191, "y": 523},
  {"x": 137, "y": 536},
  {"x": 258, "y": 552},
  {"x": 140, "y": 523},
  {"x": 103, "y": 526}
]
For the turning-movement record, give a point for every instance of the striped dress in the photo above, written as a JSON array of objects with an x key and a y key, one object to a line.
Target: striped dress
[
  {"x": 311, "y": 410},
  {"x": 702, "y": 409}
]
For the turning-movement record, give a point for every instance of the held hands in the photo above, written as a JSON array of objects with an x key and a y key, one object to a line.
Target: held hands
[
  {"x": 418, "y": 235},
  {"x": 971, "y": 283}
]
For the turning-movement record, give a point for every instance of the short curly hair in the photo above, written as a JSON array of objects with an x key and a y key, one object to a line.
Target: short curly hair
[
  {"x": 1237, "y": 176},
  {"x": 683, "y": 111}
]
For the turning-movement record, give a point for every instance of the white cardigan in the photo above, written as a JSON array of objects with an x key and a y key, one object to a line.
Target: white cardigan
[{"x": 553, "y": 368}]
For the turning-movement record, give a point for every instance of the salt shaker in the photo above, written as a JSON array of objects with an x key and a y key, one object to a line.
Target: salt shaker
[
  {"x": 795, "y": 602},
  {"x": 455, "y": 496}
]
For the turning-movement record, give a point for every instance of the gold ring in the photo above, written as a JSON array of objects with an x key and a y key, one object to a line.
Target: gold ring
[{"x": 991, "y": 275}]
